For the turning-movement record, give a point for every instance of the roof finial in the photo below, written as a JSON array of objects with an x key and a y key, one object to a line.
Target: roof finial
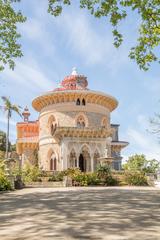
[
  {"x": 74, "y": 71},
  {"x": 26, "y": 114}
]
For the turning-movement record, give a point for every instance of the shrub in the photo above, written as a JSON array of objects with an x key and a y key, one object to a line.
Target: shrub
[
  {"x": 4, "y": 182},
  {"x": 135, "y": 178},
  {"x": 31, "y": 174},
  {"x": 43, "y": 173},
  {"x": 52, "y": 178},
  {"x": 111, "y": 181},
  {"x": 103, "y": 171},
  {"x": 72, "y": 172},
  {"x": 56, "y": 177},
  {"x": 81, "y": 178},
  {"x": 105, "y": 176},
  {"x": 59, "y": 176},
  {"x": 92, "y": 179}
]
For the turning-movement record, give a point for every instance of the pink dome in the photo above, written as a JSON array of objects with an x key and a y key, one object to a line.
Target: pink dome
[{"x": 73, "y": 82}]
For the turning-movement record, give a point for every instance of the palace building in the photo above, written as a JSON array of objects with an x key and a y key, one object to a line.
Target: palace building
[{"x": 73, "y": 129}]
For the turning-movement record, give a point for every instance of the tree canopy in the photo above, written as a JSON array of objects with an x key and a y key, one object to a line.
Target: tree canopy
[
  {"x": 116, "y": 10},
  {"x": 9, "y": 46},
  {"x": 144, "y": 53},
  {"x": 140, "y": 163}
]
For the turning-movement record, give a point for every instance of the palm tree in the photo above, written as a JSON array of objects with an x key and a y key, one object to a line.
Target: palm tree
[{"x": 8, "y": 107}]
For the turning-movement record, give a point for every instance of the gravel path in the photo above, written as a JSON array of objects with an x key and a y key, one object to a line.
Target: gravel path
[{"x": 112, "y": 213}]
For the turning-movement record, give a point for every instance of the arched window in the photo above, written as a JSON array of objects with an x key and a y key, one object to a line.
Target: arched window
[
  {"x": 52, "y": 125},
  {"x": 78, "y": 102},
  {"x": 53, "y": 128},
  {"x": 83, "y": 102},
  {"x": 53, "y": 162},
  {"x": 104, "y": 122},
  {"x": 81, "y": 122}
]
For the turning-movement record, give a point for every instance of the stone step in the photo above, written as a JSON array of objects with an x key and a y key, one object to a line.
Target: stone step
[{"x": 45, "y": 184}]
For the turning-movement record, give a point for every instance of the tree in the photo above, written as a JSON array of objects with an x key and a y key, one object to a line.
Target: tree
[
  {"x": 2, "y": 141},
  {"x": 8, "y": 107},
  {"x": 9, "y": 46},
  {"x": 140, "y": 163},
  {"x": 152, "y": 166},
  {"x": 144, "y": 52},
  {"x": 136, "y": 163}
]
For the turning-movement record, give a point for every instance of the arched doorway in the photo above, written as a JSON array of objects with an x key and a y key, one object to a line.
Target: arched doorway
[
  {"x": 82, "y": 163},
  {"x": 85, "y": 159}
]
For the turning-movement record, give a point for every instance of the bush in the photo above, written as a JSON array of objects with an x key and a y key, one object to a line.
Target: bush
[
  {"x": 52, "y": 178},
  {"x": 103, "y": 171},
  {"x": 135, "y": 178},
  {"x": 4, "y": 182},
  {"x": 92, "y": 179},
  {"x": 72, "y": 172},
  {"x": 31, "y": 174},
  {"x": 111, "y": 181},
  {"x": 81, "y": 178},
  {"x": 56, "y": 177}
]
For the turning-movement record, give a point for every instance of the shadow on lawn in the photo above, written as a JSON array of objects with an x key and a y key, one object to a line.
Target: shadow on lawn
[{"x": 93, "y": 214}]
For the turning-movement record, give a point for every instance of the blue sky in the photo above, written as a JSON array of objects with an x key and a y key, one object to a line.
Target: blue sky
[{"x": 53, "y": 46}]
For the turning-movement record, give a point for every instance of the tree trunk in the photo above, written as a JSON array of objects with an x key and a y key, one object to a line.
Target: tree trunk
[{"x": 7, "y": 135}]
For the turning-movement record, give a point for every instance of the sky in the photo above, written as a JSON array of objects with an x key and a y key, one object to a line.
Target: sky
[{"x": 53, "y": 46}]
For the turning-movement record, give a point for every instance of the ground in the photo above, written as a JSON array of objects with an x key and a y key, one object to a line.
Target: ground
[{"x": 80, "y": 213}]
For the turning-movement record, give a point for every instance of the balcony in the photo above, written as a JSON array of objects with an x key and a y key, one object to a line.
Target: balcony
[{"x": 87, "y": 132}]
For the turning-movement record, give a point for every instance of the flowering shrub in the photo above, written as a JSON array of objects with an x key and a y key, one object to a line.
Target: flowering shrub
[
  {"x": 72, "y": 172},
  {"x": 81, "y": 179}
]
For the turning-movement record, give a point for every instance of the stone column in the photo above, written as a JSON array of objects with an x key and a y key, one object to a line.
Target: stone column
[
  {"x": 92, "y": 163},
  {"x": 77, "y": 157}
]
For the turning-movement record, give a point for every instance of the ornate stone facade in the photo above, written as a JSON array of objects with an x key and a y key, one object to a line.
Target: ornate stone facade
[{"x": 73, "y": 129}]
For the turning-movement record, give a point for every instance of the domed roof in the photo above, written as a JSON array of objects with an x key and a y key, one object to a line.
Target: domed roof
[
  {"x": 74, "y": 81},
  {"x": 70, "y": 89}
]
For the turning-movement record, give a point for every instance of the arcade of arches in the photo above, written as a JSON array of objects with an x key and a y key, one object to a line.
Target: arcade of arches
[{"x": 84, "y": 160}]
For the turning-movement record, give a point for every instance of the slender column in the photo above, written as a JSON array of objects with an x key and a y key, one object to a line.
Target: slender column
[
  {"x": 77, "y": 156},
  {"x": 92, "y": 163}
]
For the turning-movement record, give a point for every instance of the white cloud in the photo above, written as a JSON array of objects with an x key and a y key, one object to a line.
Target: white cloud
[
  {"x": 94, "y": 47},
  {"x": 29, "y": 76},
  {"x": 143, "y": 143},
  {"x": 37, "y": 30},
  {"x": 83, "y": 39},
  {"x": 32, "y": 29}
]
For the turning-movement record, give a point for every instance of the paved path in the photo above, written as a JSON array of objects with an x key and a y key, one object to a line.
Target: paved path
[{"x": 80, "y": 213}]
